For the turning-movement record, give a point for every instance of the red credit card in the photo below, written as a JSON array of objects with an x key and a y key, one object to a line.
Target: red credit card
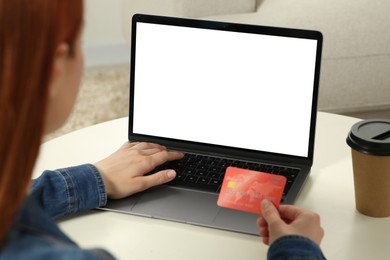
[{"x": 245, "y": 189}]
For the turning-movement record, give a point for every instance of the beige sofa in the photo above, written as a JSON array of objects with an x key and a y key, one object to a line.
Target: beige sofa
[{"x": 355, "y": 72}]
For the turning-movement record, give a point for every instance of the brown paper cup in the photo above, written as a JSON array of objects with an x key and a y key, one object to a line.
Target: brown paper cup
[
  {"x": 370, "y": 144},
  {"x": 372, "y": 184}
]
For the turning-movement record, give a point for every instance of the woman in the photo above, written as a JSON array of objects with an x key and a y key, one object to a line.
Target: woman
[{"x": 41, "y": 63}]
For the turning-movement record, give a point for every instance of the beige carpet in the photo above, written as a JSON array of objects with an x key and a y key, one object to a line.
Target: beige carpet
[{"x": 103, "y": 96}]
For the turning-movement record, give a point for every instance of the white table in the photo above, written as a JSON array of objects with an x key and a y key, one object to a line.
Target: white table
[{"x": 328, "y": 191}]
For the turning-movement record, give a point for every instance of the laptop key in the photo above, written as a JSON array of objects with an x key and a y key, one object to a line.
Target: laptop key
[
  {"x": 216, "y": 176},
  {"x": 191, "y": 179},
  {"x": 189, "y": 171},
  {"x": 202, "y": 173},
  {"x": 216, "y": 182},
  {"x": 203, "y": 180}
]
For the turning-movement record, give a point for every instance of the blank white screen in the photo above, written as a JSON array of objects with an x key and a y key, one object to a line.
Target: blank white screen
[{"x": 234, "y": 89}]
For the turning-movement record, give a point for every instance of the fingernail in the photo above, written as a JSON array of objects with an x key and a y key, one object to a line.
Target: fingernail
[
  {"x": 171, "y": 174},
  {"x": 265, "y": 204}
]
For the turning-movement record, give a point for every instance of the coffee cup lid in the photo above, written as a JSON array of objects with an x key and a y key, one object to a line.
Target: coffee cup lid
[{"x": 370, "y": 137}]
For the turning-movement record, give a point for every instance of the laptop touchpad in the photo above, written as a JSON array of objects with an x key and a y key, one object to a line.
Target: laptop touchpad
[{"x": 177, "y": 204}]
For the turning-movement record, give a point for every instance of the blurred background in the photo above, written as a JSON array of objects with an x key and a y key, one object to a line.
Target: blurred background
[{"x": 354, "y": 77}]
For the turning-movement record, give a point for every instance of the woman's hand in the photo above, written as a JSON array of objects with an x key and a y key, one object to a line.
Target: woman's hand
[
  {"x": 289, "y": 220},
  {"x": 123, "y": 171}
]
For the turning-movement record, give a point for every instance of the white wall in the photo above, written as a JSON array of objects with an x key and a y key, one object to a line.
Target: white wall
[
  {"x": 107, "y": 27},
  {"x": 107, "y": 22},
  {"x": 104, "y": 41}
]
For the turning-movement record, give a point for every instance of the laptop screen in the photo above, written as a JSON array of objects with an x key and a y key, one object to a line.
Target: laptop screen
[{"x": 224, "y": 87}]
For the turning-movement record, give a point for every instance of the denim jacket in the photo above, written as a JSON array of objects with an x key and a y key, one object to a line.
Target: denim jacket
[
  {"x": 35, "y": 234},
  {"x": 294, "y": 247}
]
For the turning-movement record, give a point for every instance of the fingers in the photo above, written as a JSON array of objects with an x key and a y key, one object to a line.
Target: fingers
[
  {"x": 261, "y": 222},
  {"x": 269, "y": 212},
  {"x": 288, "y": 220},
  {"x": 154, "y": 149},
  {"x": 142, "y": 146},
  {"x": 150, "y": 155},
  {"x": 164, "y": 156},
  {"x": 264, "y": 232},
  {"x": 289, "y": 212},
  {"x": 270, "y": 218},
  {"x": 150, "y": 151},
  {"x": 155, "y": 179}
]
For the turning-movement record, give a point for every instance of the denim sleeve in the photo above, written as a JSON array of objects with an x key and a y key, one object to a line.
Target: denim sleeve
[
  {"x": 70, "y": 190},
  {"x": 294, "y": 247}
]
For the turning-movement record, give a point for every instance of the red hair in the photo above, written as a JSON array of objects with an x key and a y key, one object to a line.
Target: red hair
[{"x": 30, "y": 32}]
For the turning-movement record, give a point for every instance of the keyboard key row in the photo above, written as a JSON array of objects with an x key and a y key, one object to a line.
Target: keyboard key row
[{"x": 207, "y": 173}]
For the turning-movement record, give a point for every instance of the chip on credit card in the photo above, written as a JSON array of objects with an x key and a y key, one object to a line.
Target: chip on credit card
[{"x": 244, "y": 189}]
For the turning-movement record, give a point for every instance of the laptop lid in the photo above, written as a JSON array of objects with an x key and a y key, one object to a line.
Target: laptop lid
[{"x": 243, "y": 91}]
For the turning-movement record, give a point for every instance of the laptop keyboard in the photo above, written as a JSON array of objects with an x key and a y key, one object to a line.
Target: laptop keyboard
[{"x": 207, "y": 173}]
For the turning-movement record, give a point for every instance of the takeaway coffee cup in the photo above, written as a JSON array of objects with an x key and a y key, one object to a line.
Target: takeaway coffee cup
[{"x": 370, "y": 144}]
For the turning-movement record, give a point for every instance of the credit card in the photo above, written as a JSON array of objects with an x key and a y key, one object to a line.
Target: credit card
[{"x": 244, "y": 189}]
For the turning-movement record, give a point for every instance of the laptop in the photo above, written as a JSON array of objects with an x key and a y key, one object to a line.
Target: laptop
[{"x": 226, "y": 95}]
